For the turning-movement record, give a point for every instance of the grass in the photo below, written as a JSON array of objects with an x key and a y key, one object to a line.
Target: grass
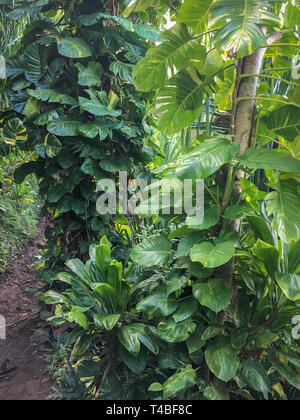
[{"x": 18, "y": 218}]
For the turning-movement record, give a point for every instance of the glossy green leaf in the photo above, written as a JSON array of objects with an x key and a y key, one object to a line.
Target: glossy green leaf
[
  {"x": 212, "y": 256},
  {"x": 222, "y": 360},
  {"x": 153, "y": 71},
  {"x": 242, "y": 31},
  {"x": 206, "y": 159},
  {"x": 270, "y": 159},
  {"x": 215, "y": 294},
  {"x": 179, "y": 382},
  {"x": 265, "y": 338},
  {"x": 74, "y": 48},
  {"x": 289, "y": 284},
  {"x": 186, "y": 308},
  {"x": 255, "y": 375},
  {"x": 158, "y": 303},
  {"x": 268, "y": 254},
  {"x": 180, "y": 101},
  {"x": 152, "y": 251},
  {"x": 284, "y": 204},
  {"x": 173, "y": 332}
]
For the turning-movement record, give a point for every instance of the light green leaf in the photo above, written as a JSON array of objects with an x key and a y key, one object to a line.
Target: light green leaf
[
  {"x": 90, "y": 75},
  {"x": 270, "y": 159},
  {"x": 206, "y": 159},
  {"x": 152, "y": 251},
  {"x": 289, "y": 284},
  {"x": 284, "y": 204},
  {"x": 74, "y": 48},
  {"x": 180, "y": 101},
  {"x": 212, "y": 256},
  {"x": 268, "y": 254},
  {"x": 165, "y": 60},
  {"x": 242, "y": 31},
  {"x": 195, "y": 14}
]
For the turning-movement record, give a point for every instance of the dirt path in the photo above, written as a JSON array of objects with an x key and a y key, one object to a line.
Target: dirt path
[{"x": 23, "y": 368}]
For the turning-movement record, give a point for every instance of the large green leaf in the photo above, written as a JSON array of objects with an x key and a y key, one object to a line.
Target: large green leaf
[
  {"x": 222, "y": 359},
  {"x": 242, "y": 31},
  {"x": 132, "y": 335},
  {"x": 195, "y": 13},
  {"x": 289, "y": 284},
  {"x": 269, "y": 255},
  {"x": 90, "y": 75},
  {"x": 14, "y": 132},
  {"x": 158, "y": 303},
  {"x": 97, "y": 107},
  {"x": 152, "y": 251},
  {"x": 294, "y": 257},
  {"x": 270, "y": 159},
  {"x": 215, "y": 294},
  {"x": 288, "y": 373},
  {"x": 174, "y": 332},
  {"x": 186, "y": 308},
  {"x": 179, "y": 382},
  {"x": 35, "y": 62},
  {"x": 180, "y": 101},
  {"x": 64, "y": 127},
  {"x": 74, "y": 48},
  {"x": 255, "y": 375},
  {"x": 284, "y": 204},
  {"x": 285, "y": 122},
  {"x": 163, "y": 61},
  {"x": 206, "y": 159},
  {"x": 212, "y": 256},
  {"x": 52, "y": 95}
]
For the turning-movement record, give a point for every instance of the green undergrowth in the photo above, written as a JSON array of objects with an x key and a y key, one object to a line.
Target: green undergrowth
[{"x": 18, "y": 219}]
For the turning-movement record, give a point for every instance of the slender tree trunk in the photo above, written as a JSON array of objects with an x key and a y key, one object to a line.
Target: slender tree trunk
[{"x": 243, "y": 129}]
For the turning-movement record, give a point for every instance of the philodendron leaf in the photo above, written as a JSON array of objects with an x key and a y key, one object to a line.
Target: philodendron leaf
[
  {"x": 268, "y": 254},
  {"x": 212, "y": 256},
  {"x": 152, "y": 251},
  {"x": 270, "y": 159},
  {"x": 74, "y": 48},
  {"x": 288, "y": 373},
  {"x": 265, "y": 338},
  {"x": 222, "y": 359},
  {"x": 132, "y": 335},
  {"x": 173, "y": 332},
  {"x": 289, "y": 284},
  {"x": 284, "y": 204},
  {"x": 90, "y": 75},
  {"x": 179, "y": 382},
  {"x": 153, "y": 71},
  {"x": 242, "y": 32},
  {"x": 215, "y": 294},
  {"x": 158, "y": 303},
  {"x": 255, "y": 375}
]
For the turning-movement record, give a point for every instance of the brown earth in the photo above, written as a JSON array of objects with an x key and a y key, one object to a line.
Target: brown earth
[{"x": 23, "y": 366}]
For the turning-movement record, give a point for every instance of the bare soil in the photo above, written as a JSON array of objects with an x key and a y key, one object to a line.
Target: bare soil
[{"x": 23, "y": 366}]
